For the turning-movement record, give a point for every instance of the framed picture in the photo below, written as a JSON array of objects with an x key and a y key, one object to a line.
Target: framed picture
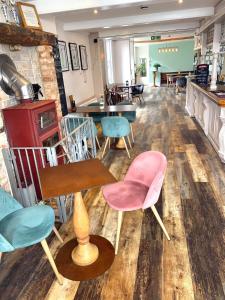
[
  {"x": 63, "y": 56},
  {"x": 74, "y": 57},
  {"x": 83, "y": 57},
  {"x": 29, "y": 15}
]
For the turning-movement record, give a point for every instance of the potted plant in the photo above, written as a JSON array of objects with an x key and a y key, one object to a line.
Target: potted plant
[
  {"x": 140, "y": 71},
  {"x": 156, "y": 67}
]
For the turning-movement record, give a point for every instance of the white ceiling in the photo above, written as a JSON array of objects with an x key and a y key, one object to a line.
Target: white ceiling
[{"x": 79, "y": 15}]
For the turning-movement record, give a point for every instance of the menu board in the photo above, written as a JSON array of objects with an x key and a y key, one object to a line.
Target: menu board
[{"x": 202, "y": 74}]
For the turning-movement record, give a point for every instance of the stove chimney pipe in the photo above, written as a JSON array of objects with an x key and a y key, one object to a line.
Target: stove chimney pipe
[{"x": 12, "y": 82}]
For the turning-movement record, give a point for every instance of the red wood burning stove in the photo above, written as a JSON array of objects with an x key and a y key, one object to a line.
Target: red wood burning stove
[{"x": 32, "y": 124}]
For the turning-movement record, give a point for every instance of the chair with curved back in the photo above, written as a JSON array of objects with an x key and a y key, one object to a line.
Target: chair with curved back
[
  {"x": 22, "y": 227},
  {"x": 137, "y": 92},
  {"x": 115, "y": 127},
  {"x": 140, "y": 188}
]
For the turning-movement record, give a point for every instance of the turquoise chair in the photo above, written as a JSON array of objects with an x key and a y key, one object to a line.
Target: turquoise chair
[
  {"x": 73, "y": 123},
  {"x": 115, "y": 127},
  {"x": 22, "y": 227},
  {"x": 130, "y": 116}
]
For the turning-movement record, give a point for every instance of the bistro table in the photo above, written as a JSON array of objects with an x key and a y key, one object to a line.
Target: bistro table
[{"x": 89, "y": 256}]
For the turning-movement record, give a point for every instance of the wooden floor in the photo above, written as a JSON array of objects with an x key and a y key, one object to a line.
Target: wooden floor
[{"x": 190, "y": 266}]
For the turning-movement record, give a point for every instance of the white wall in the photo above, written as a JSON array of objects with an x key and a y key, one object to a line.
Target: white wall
[
  {"x": 80, "y": 82},
  {"x": 121, "y": 61}
]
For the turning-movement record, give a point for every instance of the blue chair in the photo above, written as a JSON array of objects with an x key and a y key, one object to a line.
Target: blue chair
[
  {"x": 130, "y": 116},
  {"x": 22, "y": 227},
  {"x": 97, "y": 116},
  {"x": 73, "y": 123},
  {"x": 115, "y": 127}
]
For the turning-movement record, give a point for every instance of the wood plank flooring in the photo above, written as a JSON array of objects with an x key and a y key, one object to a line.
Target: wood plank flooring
[{"x": 147, "y": 267}]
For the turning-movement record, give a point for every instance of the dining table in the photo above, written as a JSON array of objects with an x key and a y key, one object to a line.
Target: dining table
[{"x": 85, "y": 256}]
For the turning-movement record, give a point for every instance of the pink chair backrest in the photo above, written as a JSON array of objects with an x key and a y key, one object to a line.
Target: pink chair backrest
[{"x": 149, "y": 169}]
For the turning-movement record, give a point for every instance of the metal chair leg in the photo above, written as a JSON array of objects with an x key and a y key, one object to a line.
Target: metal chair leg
[
  {"x": 51, "y": 260},
  {"x": 57, "y": 234},
  {"x": 126, "y": 146},
  {"x": 107, "y": 140},
  {"x": 119, "y": 224}
]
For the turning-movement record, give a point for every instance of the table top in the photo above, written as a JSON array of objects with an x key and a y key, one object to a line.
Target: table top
[
  {"x": 74, "y": 177},
  {"x": 106, "y": 108}
]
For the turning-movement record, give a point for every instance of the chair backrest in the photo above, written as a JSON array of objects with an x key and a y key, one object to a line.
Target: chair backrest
[
  {"x": 149, "y": 169},
  {"x": 115, "y": 126},
  {"x": 7, "y": 204}
]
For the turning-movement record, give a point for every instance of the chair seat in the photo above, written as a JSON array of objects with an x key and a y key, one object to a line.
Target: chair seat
[
  {"x": 27, "y": 226},
  {"x": 125, "y": 195}
]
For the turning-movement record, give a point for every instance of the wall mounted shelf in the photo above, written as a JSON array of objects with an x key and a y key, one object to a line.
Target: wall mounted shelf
[{"x": 13, "y": 35}]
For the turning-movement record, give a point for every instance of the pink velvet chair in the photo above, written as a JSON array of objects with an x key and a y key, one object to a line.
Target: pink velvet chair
[{"x": 140, "y": 188}]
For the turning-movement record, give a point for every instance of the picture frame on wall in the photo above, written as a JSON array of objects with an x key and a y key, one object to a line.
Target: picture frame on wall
[
  {"x": 83, "y": 57},
  {"x": 29, "y": 15},
  {"x": 74, "y": 56},
  {"x": 63, "y": 56}
]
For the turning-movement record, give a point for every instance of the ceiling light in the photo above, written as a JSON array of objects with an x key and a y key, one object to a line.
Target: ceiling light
[
  {"x": 95, "y": 11},
  {"x": 146, "y": 23},
  {"x": 106, "y": 27},
  {"x": 125, "y": 25},
  {"x": 180, "y": 1}
]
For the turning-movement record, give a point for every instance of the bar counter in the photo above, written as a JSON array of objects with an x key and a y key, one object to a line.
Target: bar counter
[{"x": 209, "y": 111}]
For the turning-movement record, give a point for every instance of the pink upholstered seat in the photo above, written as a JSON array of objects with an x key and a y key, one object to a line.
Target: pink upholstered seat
[
  {"x": 141, "y": 187},
  {"x": 125, "y": 195}
]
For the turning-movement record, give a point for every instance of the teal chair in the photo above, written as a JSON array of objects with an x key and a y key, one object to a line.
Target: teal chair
[
  {"x": 130, "y": 116},
  {"x": 115, "y": 127},
  {"x": 22, "y": 227},
  {"x": 73, "y": 123}
]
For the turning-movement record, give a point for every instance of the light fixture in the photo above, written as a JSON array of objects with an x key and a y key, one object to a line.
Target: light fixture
[
  {"x": 168, "y": 49},
  {"x": 95, "y": 11},
  {"x": 180, "y": 1},
  {"x": 125, "y": 25},
  {"x": 106, "y": 27}
]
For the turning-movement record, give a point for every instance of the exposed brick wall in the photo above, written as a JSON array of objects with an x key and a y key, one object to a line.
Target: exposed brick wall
[{"x": 48, "y": 74}]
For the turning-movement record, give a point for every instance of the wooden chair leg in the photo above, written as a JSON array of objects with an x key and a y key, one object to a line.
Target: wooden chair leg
[
  {"x": 109, "y": 143},
  {"x": 107, "y": 140},
  {"x": 129, "y": 142},
  {"x": 97, "y": 141},
  {"x": 57, "y": 234},
  {"x": 0, "y": 256},
  {"x": 132, "y": 133},
  {"x": 160, "y": 221},
  {"x": 51, "y": 260},
  {"x": 119, "y": 224},
  {"x": 126, "y": 146},
  {"x": 106, "y": 209}
]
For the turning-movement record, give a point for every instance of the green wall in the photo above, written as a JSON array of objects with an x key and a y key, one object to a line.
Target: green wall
[{"x": 172, "y": 61}]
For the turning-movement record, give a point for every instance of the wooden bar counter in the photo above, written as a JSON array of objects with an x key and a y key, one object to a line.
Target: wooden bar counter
[{"x": 209, "y": 111}]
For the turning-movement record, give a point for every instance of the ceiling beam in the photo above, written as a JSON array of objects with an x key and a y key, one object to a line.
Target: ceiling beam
[{"x": 140, "y": 19}]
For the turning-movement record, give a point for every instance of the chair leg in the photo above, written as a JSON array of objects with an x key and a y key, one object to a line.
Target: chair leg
[
  {"x": 119, "y": 224},
  {"x": 106, "y": 209},
  {"x": 129, "y": 142},
  {"x": 109, "y": 144},
  {"x": 57, "y": 234},
  {"x": 107, "y": 140},
  {"x": 97, "y": 141},
  {"x": 132, "y": 133},
  {"x": 51, "y": 260},
  {"x": 0, "y": 256},
  {"x": 126, "y": 146},
  {"x": 160, "y": 221}
]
